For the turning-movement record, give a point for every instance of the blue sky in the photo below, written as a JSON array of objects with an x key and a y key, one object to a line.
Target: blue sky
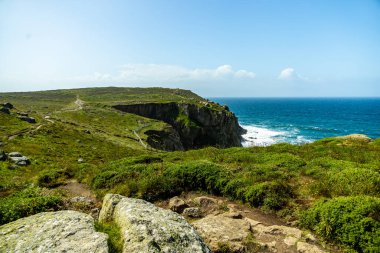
[{"x": 216, "y": 48}]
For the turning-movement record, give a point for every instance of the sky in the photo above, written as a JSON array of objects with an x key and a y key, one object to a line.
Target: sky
[{"x": 235, "y": 48}]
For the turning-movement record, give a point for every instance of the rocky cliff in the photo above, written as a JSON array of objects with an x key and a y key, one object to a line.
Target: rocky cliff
[{"x": 193, "y": 125}]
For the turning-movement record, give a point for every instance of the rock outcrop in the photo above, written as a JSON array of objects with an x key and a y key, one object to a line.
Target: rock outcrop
[
  {"x": 19, "y": 159},
  {"x": 196, "y": 125},
  {"x": 63, "y": 231},
  {"x": 220, "y": 230},
  {"x": 6, "y": 107},
  {"x": 177, "y": 204},
  {"x": 27, "y": 119},
  {"x": 3, "y": 155},
  {"x": 5, "y": 110},
  {"x": 241, "y": 234},
  {"x": 147, "y": 228},
  {"x": 234, "y": 228}
]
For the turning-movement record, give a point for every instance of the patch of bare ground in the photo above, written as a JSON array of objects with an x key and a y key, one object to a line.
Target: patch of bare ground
[
  {"x": 227, "y": 226},
  {"x": 79, "y": 197}
]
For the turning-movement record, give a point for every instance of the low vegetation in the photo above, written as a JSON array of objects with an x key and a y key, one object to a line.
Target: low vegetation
[
  {"x": 115, "y": 241},
  {"x": 27, "y": 202},
  {"x": 331, "y": 185},
  {"x": 352, "y": 221}
]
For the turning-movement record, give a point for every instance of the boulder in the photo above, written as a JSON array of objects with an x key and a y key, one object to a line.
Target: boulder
[
  {"x": 204, "y": 201},
  {"x": 27, "y": 119},
  {"x": 177, "y": 204},
  {"x": 22, "y": 114},
  {"x": 192, "y": 212},
  {"x": 221, "y": 230},
  {"x": 15, "y": 154},
  {"x": 303, "y": 247},
  {"x": 63, "y": 231},
  {"x": 5, "y": 110},
  {"x": 3, "y": 155},
  {"x": 147, "y": 228},
  {"x": 82, "y": 200},
  {"x": 8, "y": 105},
  {"x": 19, "y": 159}
]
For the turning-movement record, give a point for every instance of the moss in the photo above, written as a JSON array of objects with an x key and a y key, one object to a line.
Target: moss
[
  {"x": 115, "y": 240},
  {"x": 183, "y": 119}
]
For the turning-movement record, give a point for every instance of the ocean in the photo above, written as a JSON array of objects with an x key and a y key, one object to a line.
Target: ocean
[{"x": 303, "y": 120}]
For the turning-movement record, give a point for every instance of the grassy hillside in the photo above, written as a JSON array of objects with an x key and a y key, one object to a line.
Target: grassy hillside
[{"x": 331, "y": 186}]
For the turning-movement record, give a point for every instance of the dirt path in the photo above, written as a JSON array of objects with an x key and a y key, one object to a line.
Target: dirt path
[
  {"x": 140, "y": 140},
  {"x": 73, "y": 188},
  {"x": 79, "y": 103}
]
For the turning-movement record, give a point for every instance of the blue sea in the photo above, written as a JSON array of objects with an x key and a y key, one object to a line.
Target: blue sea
[{"x": 303, "y": 120}]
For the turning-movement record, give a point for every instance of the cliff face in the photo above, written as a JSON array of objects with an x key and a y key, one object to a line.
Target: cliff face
[{"x": 193, "y": 126}]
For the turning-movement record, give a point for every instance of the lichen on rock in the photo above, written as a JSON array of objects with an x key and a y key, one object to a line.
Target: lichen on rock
[
  {"x": 62, "y": 231},
  {"x": 147, "y": 228}
]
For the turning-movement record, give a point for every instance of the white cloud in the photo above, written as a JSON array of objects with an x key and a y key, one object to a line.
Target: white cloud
[
  {"x": 244, "y": 74},
  {"x": 287, "y": 74},
  {"x": 161, "y": 74},
  {"x": 290, "y": 74}
]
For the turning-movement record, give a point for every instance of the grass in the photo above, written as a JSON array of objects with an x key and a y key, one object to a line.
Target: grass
[
  {"x": 332, "y": 185},
  {"x": 115, "y": 241}
]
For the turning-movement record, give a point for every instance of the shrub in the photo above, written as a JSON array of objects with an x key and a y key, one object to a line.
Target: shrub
[
  {"x": 198, "y": 175},
  {"x": 104, "y": 180},
  {"x": 157, "y": 187},
  {"x": 351, "y": 221},
  {"x": 272, "y": 195},
  {"x": 27, "y": 202},
  {"x": 349, "y": 182},
  {"x": 52, "y": 178}
]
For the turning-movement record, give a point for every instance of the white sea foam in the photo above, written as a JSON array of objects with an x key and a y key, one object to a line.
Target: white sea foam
[{"x": 260, "y": 136}]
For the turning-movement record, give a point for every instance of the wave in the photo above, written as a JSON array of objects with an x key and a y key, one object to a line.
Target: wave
[{"x": 261, "y": 136}]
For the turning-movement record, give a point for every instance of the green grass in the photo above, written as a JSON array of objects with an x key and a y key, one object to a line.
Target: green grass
[{"x": 115, "y": 241}]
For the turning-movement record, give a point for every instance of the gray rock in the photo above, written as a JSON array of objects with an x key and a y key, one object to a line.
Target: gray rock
[
  {"x": 192, "y": 212},
  {"x": 303, "y": 247},
  {"x": 177, "y": 204},
  {"x": 82, "y": 200},
  {"x": 5, "y": 110},
  {"x": 15, "y": 154},
  {"x": 27, "y": 119},
  {"x": 8, "y": 105},
  {"x": 22, "y": 114},
  {"x": 63, "y": 231},
  {"x": 3, "y": 155},
  {"x": 233, "y": 215},
  {"x": 147, "y": 228},
  {"x": 19, "y": 159},
  {"x": 205, "y": 202},
  {"x": 220, "y": 230}
]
